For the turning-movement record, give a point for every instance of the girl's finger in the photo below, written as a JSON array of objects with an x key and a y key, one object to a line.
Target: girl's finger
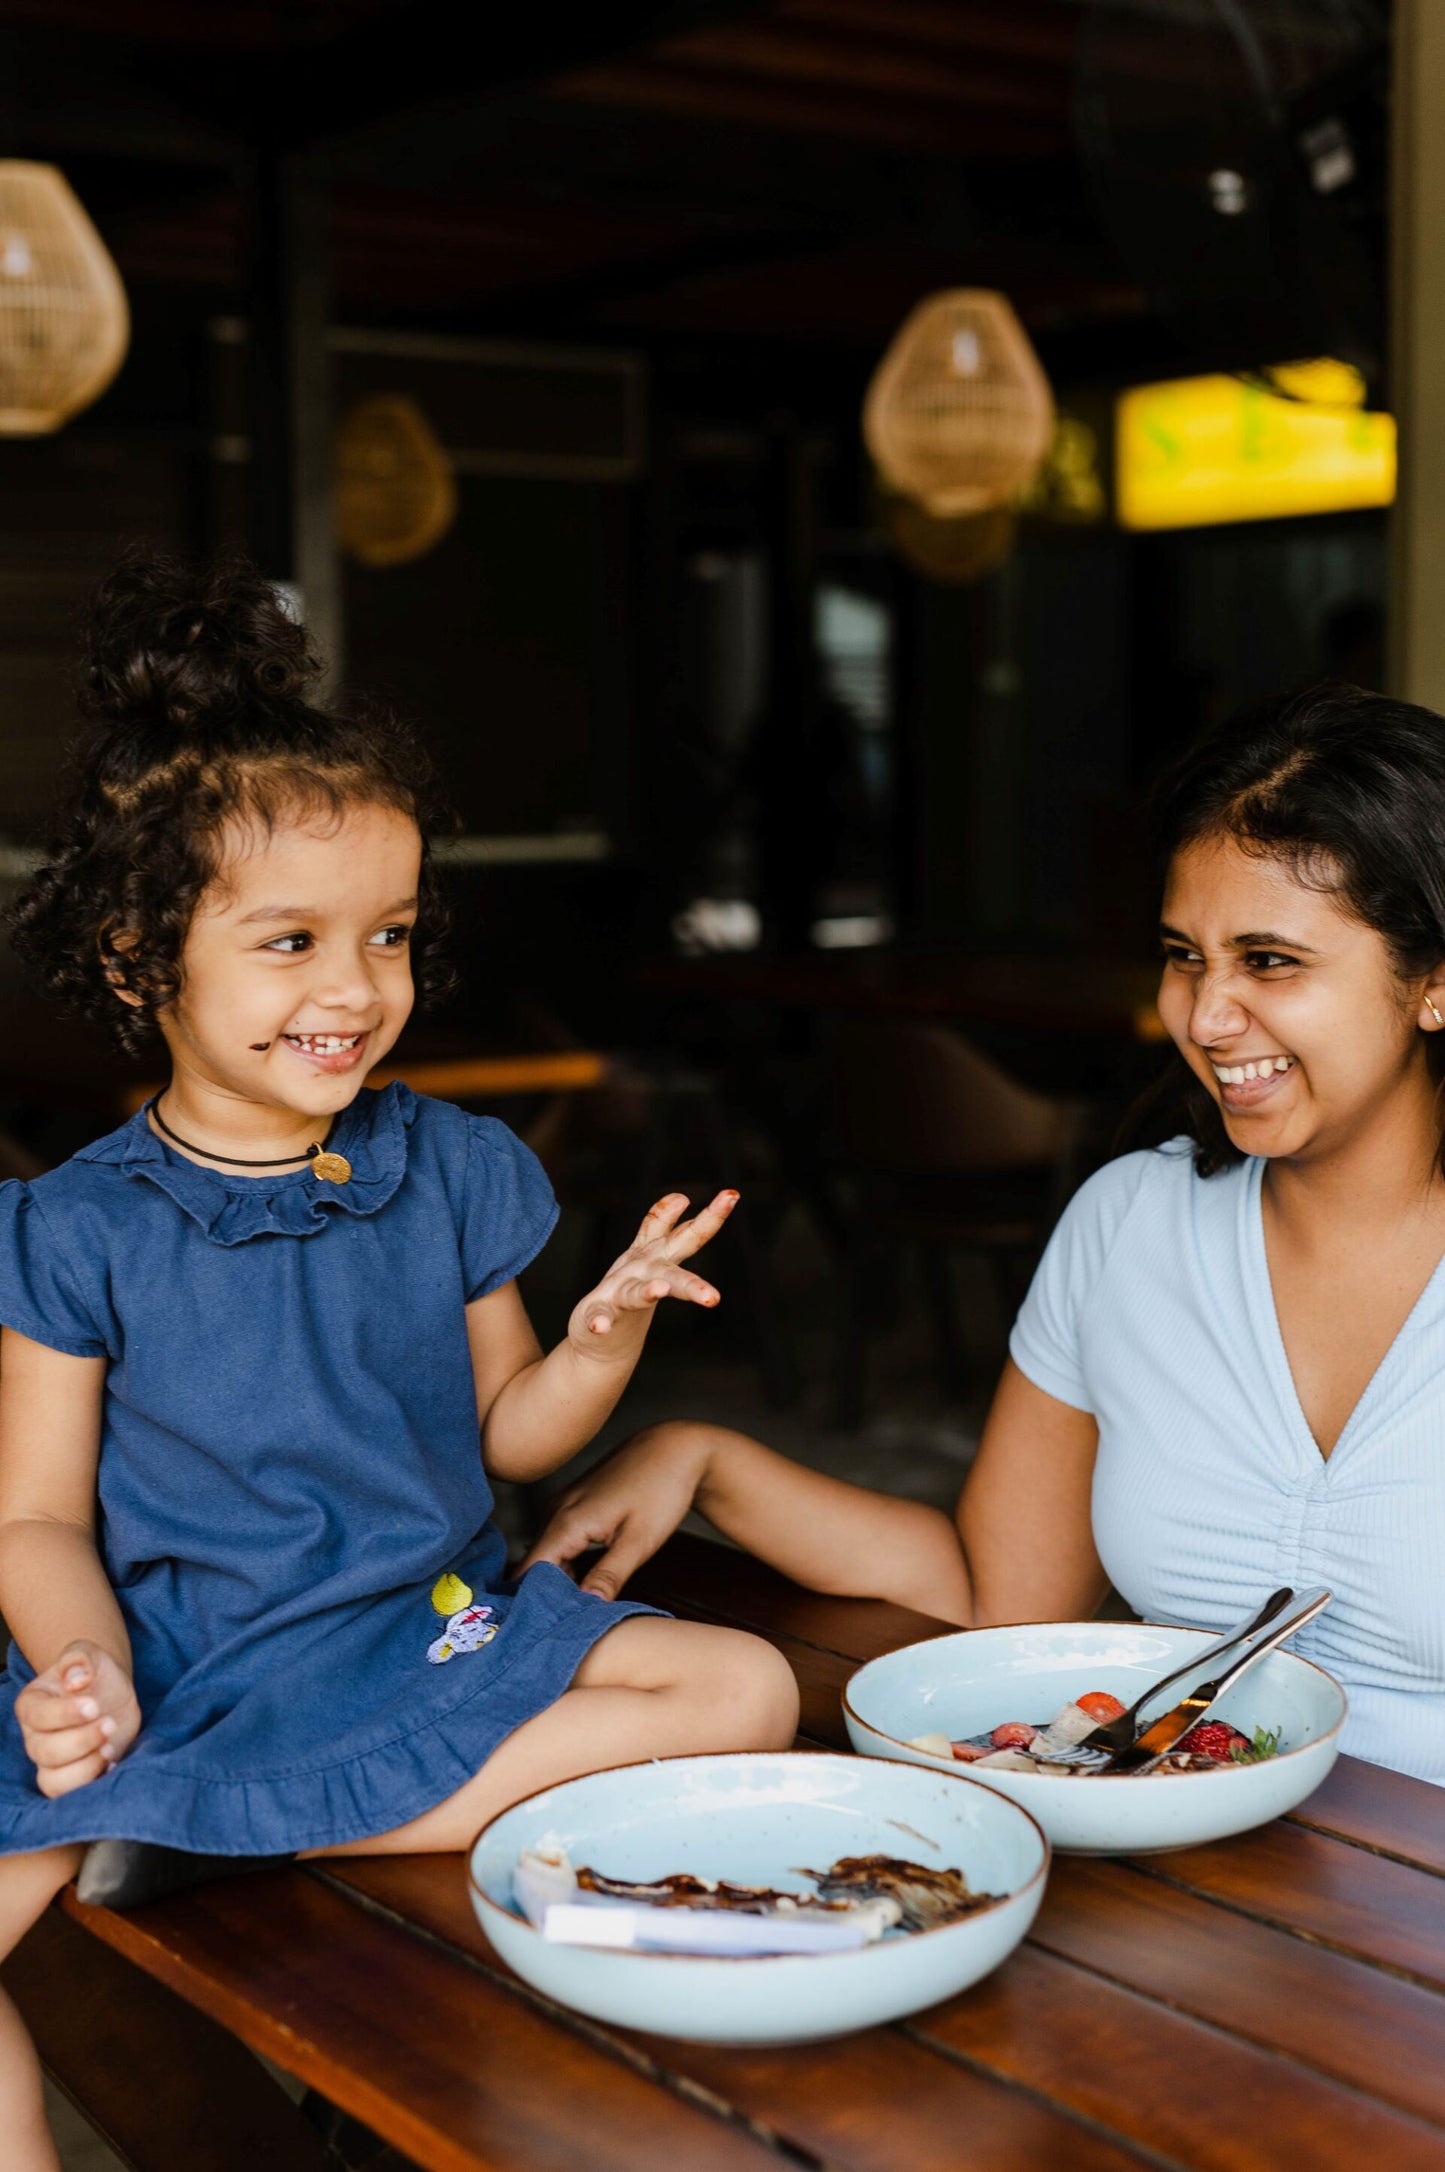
[
  {"x": 691, "y": 1289},
  {"x": 68, "y": 1778},
  {"x": 46, "y": 1712},
  {"x": 690, "y": 1237},
  {"x": 642, "y": 1294},
  {"x": 661, "y": 1217},
  {"x": 68, "y": 1745},
  {"x": 600, "y": 1320}
]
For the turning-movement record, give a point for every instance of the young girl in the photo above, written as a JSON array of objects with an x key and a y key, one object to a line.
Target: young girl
[
  {"x": 1230, "y": 1371},
  {"x": 263, "y": 1347}
]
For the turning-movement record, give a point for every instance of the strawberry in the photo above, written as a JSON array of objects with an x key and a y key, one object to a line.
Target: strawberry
[
  {"x": 1100, "y": 1706},
  {"x": 1013, "y": 1735},
  {"x": 1212, "y": 1738}
]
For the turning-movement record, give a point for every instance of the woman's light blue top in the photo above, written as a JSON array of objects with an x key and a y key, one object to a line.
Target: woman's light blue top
[
  {"x": 289, "y": 1461},
  {"x": 1153, "y": 1309}
]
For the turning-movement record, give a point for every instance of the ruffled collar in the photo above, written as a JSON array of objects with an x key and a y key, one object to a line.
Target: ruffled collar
[{"x": 372, "y": 1134}]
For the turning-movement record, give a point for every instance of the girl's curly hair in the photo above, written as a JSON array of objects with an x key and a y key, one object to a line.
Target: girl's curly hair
[{"x": 198, "y": 689}]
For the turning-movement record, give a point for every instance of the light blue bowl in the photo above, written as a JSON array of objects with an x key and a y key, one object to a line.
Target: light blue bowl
[
  {"x": 753, "y": 1818},
  {"x": 970, "y": 1682}
]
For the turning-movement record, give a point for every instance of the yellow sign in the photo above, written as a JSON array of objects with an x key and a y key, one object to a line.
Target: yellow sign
[{"x": 1201, "y": 450}]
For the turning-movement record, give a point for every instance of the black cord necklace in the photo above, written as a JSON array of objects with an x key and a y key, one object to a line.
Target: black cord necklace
[{"x": 330, "y": 1168}]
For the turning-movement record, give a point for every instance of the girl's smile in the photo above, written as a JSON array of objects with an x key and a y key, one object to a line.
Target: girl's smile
[{"x": 332, "y": 1052}]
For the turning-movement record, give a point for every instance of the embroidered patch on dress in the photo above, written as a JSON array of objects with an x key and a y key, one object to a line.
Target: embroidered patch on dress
[{"x": 468, "y": 1627}]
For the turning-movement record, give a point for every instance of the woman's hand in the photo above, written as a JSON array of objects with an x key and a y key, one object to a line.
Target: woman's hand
[
  {"x": 623, "y": 1302},
  {"x": 628, "y": 1505},
  {"x": 78, "y": 1718}
]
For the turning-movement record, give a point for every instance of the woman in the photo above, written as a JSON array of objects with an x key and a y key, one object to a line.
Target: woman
[{"x": 1229, "y": 1373}]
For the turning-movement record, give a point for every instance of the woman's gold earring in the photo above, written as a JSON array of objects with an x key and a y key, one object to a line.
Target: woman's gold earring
[{"x": 1433, "y": 1012}]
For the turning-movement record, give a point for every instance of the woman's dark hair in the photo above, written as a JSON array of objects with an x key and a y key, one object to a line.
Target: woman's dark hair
[
  {"x": 1348, "y": 790},
  {"x": 199, "y": 691}
]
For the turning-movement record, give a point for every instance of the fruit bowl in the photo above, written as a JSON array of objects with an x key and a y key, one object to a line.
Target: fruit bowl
[
  {"x": 754, "y": 1818},
  {"x": 970, "y": 1682}
]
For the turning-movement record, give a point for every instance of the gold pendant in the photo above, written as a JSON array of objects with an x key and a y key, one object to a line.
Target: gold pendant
[{"x": 331, "y": 1168}]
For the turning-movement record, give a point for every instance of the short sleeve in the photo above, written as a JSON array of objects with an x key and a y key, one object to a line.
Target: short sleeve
[
  {"x": 1047, "y": 1343},
  {"x": 38, "y": 1292},
  {"x": 509, "y": 1210}
]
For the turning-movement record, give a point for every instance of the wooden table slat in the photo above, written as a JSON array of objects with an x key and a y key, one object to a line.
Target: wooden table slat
[
  {"x": 872, "y": 2101},
  {"x": 1178, "y": 2086},
  {"x": 1325, "y": 2009},
  {"x": 1380, "y": 1809},
  {"x": 453, "y": 2070},
  {"x": 1321, "y": 1888}
]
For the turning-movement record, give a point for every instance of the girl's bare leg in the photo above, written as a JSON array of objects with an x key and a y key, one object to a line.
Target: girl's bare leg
[
  {"x": 649, "y": 1688},
  {"x": 28, "y": 1884}
]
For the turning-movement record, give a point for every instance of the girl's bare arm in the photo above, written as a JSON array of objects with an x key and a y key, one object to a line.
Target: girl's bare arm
[
  {"x": 1020, "y": 1548},
  {"x": 535, "y": 1411},
  {"x": 80, "y": 1712},
  {"x": 53, "y": 1590}
]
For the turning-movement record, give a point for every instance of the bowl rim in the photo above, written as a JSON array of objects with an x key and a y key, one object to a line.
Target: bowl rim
[
  {"x": 765, "y": 1960},
  {"x": 1264, "y": 1765}
]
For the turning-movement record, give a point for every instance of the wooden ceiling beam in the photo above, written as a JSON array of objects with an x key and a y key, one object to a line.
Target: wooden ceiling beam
[
  {"x": 914, "y": 124},
  {"x": 101, "y": 95},
  {"x": 1039, "y": 35},
  {"x": 821, "y": 55},
  {"x": 396, "y": 72}
]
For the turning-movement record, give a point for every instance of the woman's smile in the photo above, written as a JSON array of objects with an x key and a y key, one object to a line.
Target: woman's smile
[{"x": 1246, "y": 1081}]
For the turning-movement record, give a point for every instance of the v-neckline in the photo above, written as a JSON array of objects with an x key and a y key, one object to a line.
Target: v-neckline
[{"x": 1279, "y": 1350}]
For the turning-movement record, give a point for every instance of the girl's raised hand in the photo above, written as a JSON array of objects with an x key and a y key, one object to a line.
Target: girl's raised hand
[
  {"x": 650, "y": 1269},
  {"x": 78, "y": 1718}
]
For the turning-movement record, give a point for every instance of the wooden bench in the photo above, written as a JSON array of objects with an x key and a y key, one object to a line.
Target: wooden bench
[{"x": 1275, "y": 2000}]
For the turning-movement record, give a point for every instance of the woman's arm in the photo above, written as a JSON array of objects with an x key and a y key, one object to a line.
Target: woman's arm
[
  {"x": 536, "y": 1412},
  {"x": 1025, "y": 1515},
  {"x": 819, "y": 1530},
  {"x": 1020, "y": 1548},
  {"x": 54, "y": 1595}
]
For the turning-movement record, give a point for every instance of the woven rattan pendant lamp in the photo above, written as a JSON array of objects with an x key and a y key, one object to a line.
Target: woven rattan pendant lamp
[
  {"x": 64, "y": 323},
  {"x": 396, "y": 495},
  {"x": 959, "y": 413}
]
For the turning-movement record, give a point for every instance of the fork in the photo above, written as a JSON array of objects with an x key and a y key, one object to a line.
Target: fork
[
  {"x": 1110, "y": 1737},
  {"x": 1161, "y": 1735}
]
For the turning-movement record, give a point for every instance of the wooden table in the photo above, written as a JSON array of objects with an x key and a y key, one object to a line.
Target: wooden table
[
  {"x": 1274, "y": 2001},
  {"x": 1109, "y": 997},
  {"x": 468, "y": 1078}
]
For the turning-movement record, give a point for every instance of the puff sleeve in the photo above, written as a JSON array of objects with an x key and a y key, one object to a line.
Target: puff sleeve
[
  {"x": 39, "y": 1291},
  {"x": 508, "y": 1211},
  {"x": 1049, "y": 1339}
]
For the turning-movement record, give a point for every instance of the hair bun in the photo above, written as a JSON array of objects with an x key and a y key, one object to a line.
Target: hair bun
[{"x": 174, "y": 644}]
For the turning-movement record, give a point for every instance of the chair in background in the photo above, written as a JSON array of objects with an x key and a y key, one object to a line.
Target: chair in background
[
  {"x": 941, "y": 1152},
  {"x": 673, "y": 1130}
]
